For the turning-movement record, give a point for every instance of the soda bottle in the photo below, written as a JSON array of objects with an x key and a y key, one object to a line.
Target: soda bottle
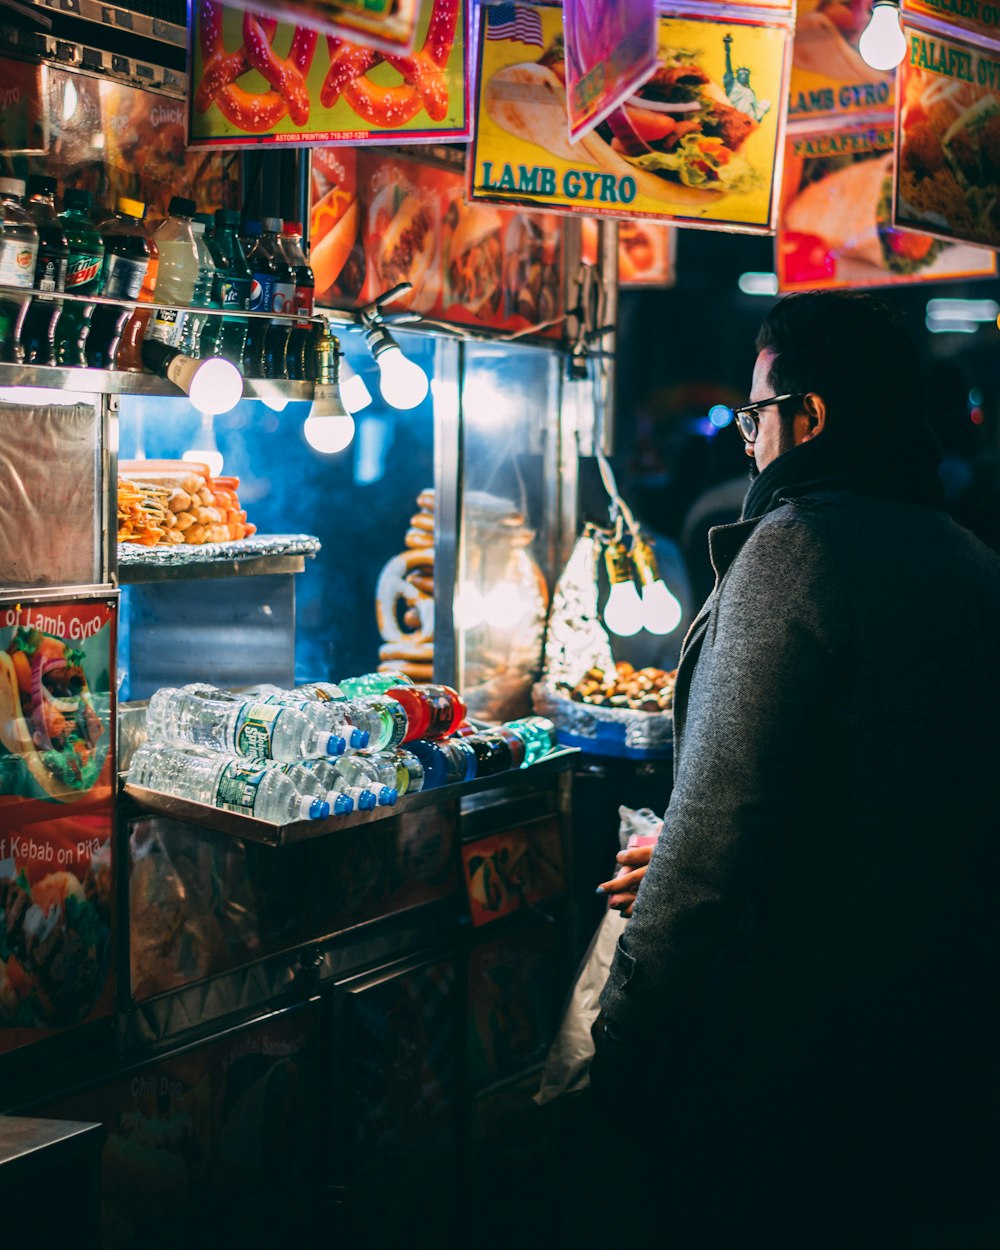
[
  {"x": 38, "y": 330},
  {"x": 263, "y": 273},
  {"x": 282, "y": 301},
  {"x": 372, "y": 683},
  {"x": 493, "y": 753},
  {"x": 83, "y": 277},
  {"x": 197, "y": 331},
  {"x": 232, "y": 288},
  {"x": 249, "y": 787},
  {"x": 297, "y": 355},
  {"x": 409, "y": 772},
  {"x": 177, "y": 271},
  {"x": 129, "y": 353},
  {"x": 127, "y": 254},
  {"x": 432, "y": 711},
  {"x": 445, "y": 763},
  {"x": 18, "y": 251},
  {"x": 538, "y": 734}
]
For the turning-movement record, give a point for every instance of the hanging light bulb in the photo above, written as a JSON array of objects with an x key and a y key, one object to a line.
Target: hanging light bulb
[
  {"x": 661, "y": 611},
  {"x": 402, "y": 383},
  {"x": 353, "y": 390},
  {"x": 623, "y": 612},
  {"x": 503, "y": 606},
  {"x": 882, "y": 44},
  {"x": 329, "y": 427},
  {"x": 213, "y": 385}
]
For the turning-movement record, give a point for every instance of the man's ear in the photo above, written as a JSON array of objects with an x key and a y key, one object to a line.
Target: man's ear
[{"x": 812, "y": 416}]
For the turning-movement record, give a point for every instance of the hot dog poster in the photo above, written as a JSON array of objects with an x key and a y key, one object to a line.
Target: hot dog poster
[
  {"x": 646, "y": 252},
  {"x": 698, "y": 143},
  {"x": 378, "y": 221},
  {"x": 829, "y": 78},
  {"x": 56, "y": 815},
  {"x": 256, "y": 80},
  {"x": 948, "y": 145},
  {"x": 835, "y": 227}
]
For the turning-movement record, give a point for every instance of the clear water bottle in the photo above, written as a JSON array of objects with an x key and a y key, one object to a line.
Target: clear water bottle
[
  {"x": 359, "y": 771},
  {"x": 332, "y": 716},
  {"x": 324, "y": 691},
  {"x": 261, "y": 730},
  {"x": 538, "y": 734},
  {"x": 325, "y": 770},
  {"x": 372, "y": 683},
  {"x": 177, "y": 272},
  {"x": 307, "y": 780},
  {"x": 231, "y": 783},
  {"x": 18, "y": 253},
  {"x": 384, "y": 718},
  {"x": 195, "y": 328}
]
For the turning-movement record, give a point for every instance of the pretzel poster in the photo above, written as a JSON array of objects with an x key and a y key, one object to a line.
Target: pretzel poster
[
  {"x": 835, "y": 223},
  {"x": 948, "y": 144},
  {"x": 698, "y": 143},
  {"x": 56, "y": 815},
  {"x": 829, "y": 78},
  {"x": 256, "y": 80},
  {"x": 387, "y": 24}
]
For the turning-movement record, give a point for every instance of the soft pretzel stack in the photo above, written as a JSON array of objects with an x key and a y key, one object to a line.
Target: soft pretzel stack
[{"x": 404, "y": 599}]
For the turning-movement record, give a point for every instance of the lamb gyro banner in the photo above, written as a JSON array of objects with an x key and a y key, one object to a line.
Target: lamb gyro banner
[
  {"x": 56, "y": 815},
  {"x": 698, "y": 143},
  {"x": 948, "y": 139},
  {"x": 829, "y": 78},
  {"x": 835, "y": 225},
  {"x": 257, "y": 80}
]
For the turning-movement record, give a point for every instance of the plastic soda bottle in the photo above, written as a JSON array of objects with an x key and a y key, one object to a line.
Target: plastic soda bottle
[
  {"x": 263, "y": 276},
  {"x": 83, "y": 277},
  {"x": 282, "y": 301},
  {"x": 232, "y": 288},
  {"x": 409, "y": 772},
  {"x": 177, "y": 271},
  {"x": 129, "y": 353},
  {"x": 538, "y": 734},
  {"x": 297, "y": 355},
  {"x": 127, "y": 254},
  {"x": 18, "y": 252},
  {"x": 39, "y": 328},
  {"x": 249, "y": 787},
  {"x": 194, "y": 328},
  {"x": 433, "y": 711},
  {"x": 493, "y": 752},
  {"x": 445, "y": 763},
  {"x": 372, "y": 683}
]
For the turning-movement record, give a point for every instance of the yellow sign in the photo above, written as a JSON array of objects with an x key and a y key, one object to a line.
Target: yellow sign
[
  {"x": 829, "y": 78},
  {"x": 698, "y": 143}
]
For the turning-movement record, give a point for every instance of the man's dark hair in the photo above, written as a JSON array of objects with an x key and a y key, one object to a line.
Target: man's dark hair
[{"x": 853, "y": 350}]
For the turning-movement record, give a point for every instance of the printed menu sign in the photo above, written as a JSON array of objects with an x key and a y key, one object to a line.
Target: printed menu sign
[
  {"x": 389, "y": 24},
  {"x": 976, "y": 17},
  {"x": 56, "y": 813},
  {"x": 257, "y": 80},
  {"x": 697, "y": 143},
  {"x": 829, "y": 78},
  {"x": 948, "y": 139},
  {"x": 23, "y": 117},
  {"x": 646, "y": 251},
  {"x": 610, "y": 52},
  {"x": 835, "y": 222}
]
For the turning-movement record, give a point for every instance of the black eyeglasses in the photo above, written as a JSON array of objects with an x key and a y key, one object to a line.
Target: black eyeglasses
[{"x": 748, "y": 415}]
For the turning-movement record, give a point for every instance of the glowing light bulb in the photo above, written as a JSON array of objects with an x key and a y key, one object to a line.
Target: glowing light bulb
[
  {"x": 503, "y": 606},
  {"x": 353, "y": 390},
  {"x": 329, "y": 433},
  {"x": 623, "y": 612},
  {"x": 470, "y": 606},
  {"x": 661, "y": 611},
  {"x": 215, "y": 386},
  {"x": 402, "y": 383},
  {"x": 882, "y": 44}
]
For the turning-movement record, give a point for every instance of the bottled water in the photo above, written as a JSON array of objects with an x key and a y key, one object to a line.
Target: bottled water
[
  {"x": 333, "y": 716},
  {"x": 231, "y": 783},
  {"x": 382, "y": 770},
  {"x": 177, "y": 272},
  {"x": 384, "y": 718},
  {"x": 358, "y": 770},
  {"x": 409, "y": 772},
  {"x": 331, "y": 781},
  {"x": 308, "y": 778},
  {"x": 261, "y": 730}
]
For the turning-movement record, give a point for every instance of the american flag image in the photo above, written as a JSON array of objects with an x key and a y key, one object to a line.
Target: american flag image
[{"x": 514, "y": 21}]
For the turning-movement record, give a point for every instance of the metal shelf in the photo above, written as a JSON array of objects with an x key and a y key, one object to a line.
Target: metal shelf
[
  {"x": 214, "y": 567},
  {"x": 117, "y": 18},
  {"x": 115, "y": 382},
  {"x": 251, "y": 830}
]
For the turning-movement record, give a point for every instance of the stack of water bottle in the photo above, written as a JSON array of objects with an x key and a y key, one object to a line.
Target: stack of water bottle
[{"x": 322, "y": 749}]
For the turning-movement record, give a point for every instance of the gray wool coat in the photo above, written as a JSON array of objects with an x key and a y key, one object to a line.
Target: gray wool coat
[{"x": 812, "y": 961}]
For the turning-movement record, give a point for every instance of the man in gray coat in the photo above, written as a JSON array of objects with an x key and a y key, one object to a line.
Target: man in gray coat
[{"x": 801, "y": 1020}]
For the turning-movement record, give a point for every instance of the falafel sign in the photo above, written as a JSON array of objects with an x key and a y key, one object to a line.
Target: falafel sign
[
  {"x": 698, "y": 143},
  {"x": 56, "y": 813},
  {"x": 948, "y": 139},
  {"x": 834, "y": 228}
]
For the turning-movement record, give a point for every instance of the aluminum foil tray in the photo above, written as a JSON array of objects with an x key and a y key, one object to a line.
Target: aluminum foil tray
[{"x": 251, "y": 548}]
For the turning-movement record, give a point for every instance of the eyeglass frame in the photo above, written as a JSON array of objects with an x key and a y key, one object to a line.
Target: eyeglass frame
[{"x": 748, "y": 411}]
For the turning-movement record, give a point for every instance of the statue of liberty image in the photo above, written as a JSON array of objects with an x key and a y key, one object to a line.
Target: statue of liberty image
[{"x": 741, "y": 95}]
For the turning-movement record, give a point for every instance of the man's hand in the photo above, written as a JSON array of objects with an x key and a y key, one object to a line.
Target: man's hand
[{"x": 621, "y": 890}]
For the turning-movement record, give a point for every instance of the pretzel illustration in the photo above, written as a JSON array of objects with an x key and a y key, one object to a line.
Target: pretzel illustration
[
  {"x": 424, "y": 85},
  {"x": 252, "y": 111}
]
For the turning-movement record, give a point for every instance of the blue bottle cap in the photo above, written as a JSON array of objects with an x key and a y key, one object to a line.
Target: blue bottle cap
[
  {"x": 387, "y": 796},
  {"x": 366, "y": 801},
  {"x": 343, "y": 804},
  {"x": 359, "y": 739},
  {"x": 336, "y": 745},
  {"x": 319, "y": 809}
]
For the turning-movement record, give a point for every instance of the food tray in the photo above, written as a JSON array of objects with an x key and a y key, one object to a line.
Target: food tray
[
  {"x": 254, "y": 547},
  {"x": 609, "y": 731}
]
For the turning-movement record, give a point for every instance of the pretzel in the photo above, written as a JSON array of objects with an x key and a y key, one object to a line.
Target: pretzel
[
  {"x": 424, "y": 85},
  {"x": 253, "y": 112}
]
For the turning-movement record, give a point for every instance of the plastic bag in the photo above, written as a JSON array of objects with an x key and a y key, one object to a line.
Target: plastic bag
[{"x": 567, "y": 1065}]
